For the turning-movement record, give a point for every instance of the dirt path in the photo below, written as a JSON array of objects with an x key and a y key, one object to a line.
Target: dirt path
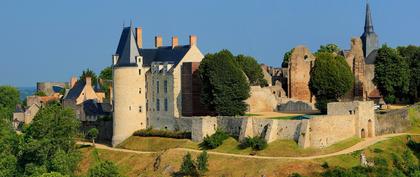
[{"x": 359, "y": 146}]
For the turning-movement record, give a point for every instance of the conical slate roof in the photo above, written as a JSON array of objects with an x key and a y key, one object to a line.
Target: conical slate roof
[
  {"x": 368, "y": 20},
  {"x": 127, "y": 48}
]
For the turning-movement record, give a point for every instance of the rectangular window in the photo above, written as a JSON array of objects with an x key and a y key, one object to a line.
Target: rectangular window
[
  {"x": 165, "y": 86},
  {"x": 166, "y": 104},
  {"x": 139, "y": 90},
  {"x": 139, "y": 71},
  {"x": 157, "y": 105},
  {"x": 140, "y": 109},
  {"x": 157, "y": 87}
]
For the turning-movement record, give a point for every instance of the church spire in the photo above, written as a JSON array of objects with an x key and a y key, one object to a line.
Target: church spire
[{"x": 368, "y": 20}]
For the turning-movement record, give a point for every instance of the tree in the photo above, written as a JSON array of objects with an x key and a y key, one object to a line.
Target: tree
[
  {"x": 202, "y": 163},
  {"x": 89, "y": 73},
  {"x": 8, "y": 149},
  {"x": 53, "y": 174},
  {"x": 252, "y": 70},
  {"x": 392, "y": 74},
  {"x": 188, "y": 168},
  {"x": 286, "y": 58},
  {"x": 48, "y": 143},
  {"x": 224, "y": 86},
  {"x": 9, "y": 98},
  {"x": 40, "y": 93},
  {"x": 92, "y": 134},
  {"x": 412, "y": 55},
  {"x": 106, "y": 77},
  {"x": 331, "y": 78},
  {"x": 104, "y": 169},
  {"x": 329, "y": 48}
]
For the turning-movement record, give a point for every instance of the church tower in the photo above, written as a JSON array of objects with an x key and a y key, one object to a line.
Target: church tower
[{"x": 369, "y": 37}]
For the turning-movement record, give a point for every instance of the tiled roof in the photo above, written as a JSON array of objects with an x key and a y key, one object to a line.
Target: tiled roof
[
  {"x": 76, "y": 90},
  {"x": 375, "y": 94},
  {"x": 91, "y": 108}
]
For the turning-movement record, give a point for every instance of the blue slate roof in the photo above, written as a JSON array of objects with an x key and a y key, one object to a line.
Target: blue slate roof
[
  {"x": 76, "y": 90},
  {"x": 91, "y": 108},
  {"x": 127, "y": 50}
]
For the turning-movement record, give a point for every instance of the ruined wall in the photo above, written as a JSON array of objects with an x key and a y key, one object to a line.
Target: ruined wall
[
  {"x": 356, "y": 62},
  {"x": 396, "y": 121},
  {"x": 295, "y": 106},
  {"x": 369, "y": 75},
  {"x": 261, "y": 100},
  {"x": 327, "y": 130},
  {"x": 50, "y": 87},
  {"x": 301, "y": 62}
]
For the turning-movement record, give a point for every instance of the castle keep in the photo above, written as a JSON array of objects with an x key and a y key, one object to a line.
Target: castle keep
[{"x": 147, "y": 82}]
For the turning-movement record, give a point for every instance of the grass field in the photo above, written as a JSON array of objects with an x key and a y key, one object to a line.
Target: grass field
[{"x": 284, "y": 148}]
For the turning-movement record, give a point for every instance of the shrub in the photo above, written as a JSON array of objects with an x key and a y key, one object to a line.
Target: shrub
[
  {"x": 163, "y": 133},
  {"x": 378, "y": 150},
  {"x": 202, "y": 163},
  {"x": 325, "y": 165},
  {"x": 256, "y": 143},
  {"x": 214, "y": 141},
  {"x": 104, "y": 169},
  {"x": 188, "y": 167}
]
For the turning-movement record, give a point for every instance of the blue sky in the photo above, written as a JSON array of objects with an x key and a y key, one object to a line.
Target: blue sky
[{"x": 51, "y": 40}]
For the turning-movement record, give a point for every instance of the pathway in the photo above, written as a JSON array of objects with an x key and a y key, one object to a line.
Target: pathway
[{"x": 359, "y": 146}]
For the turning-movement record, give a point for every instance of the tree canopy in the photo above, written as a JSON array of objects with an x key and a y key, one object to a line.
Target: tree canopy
[
  {"x": 9, "y": 98},
  {"x": 89, "y": 73},
  {"x": 252, "y": 70},
  {"x": 392, "y": 74},
  {"x": 106, "y": 76},
  {"x": 329, "y": 48},
  {"x": 224, "y": 85},
  {"x": 412, "y": 55},
  {"x": 331, "y": 78}
]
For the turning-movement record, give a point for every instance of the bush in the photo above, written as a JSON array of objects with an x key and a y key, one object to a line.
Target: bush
[
  {"x": 188, "y": 167},
  {"x": 214, "y": 141},
  {"x": 163, "y": 133},
  {"x": 104, "y": 169},
  {"x": 256, "y": 143},
  {"x": 325, "y": 165}
]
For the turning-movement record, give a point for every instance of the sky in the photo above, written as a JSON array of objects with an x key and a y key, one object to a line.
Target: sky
[{"x": 52, "y": 40}]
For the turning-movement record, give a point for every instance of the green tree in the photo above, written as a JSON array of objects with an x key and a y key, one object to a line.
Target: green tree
[
  {"x": 9, "y": 98},
  {"x": 8, "y": 149},
  {"x": 53, "y": 174},
  {"x": 412, "y": 55},
  {"x": 331, "y": 78},
  {"x": 286, "y": 58},
  {"x": 252, "y": 70},
  {"x": 392, "y": 74},
  {"x": 40, "y": 93},
  {"x": 329, "y": 48},
  {"x": 48, "y": 143},
  {"x": 202, "y": 163},
  {"x": 92, "y": 134},
  {"x": 224, "y": 88},
  {"x": 89, "y": 73},
  {"x": 188, "y": 168},
  {"x": 104, "y": 169},
  {"x": 106, "y": 77}
]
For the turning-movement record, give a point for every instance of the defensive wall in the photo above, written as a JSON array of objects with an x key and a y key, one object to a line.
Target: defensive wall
[{"x": 344, "y": 120}]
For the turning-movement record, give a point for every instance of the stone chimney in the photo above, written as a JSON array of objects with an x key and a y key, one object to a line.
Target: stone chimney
[
  {"x": 193, "y": 40},
  {"x": 174, "y": 41},
  {"x": 158, "y": 41},
  {"x": 88, "y": 80},
  {"x": 73, "y": 81},
  {"x": 139, "y": 36}
]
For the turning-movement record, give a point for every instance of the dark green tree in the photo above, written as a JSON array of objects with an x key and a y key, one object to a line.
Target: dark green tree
[
  {"x": 53, "y": 174},
  {"x": 40, "y": 93},
  {"x": 202, "y": 163},
  {"x": 329, "y": 48},
  {"x": 225, "y": 87},
  {"x": 188, "y": 167},
  {"x": 8, "y": 149},
  {"x": 104, "y": 169},
  {"x": 48, "y": 143},
  {"x": 92, "y": 134},
  {"x": 106, "y": 77},
  {"x": 392, "y": 74},
  {"x": 331, "y": 78},
  {"x": 9, "y": 98},
  {"x": 412, "y": 55},
  {"x": 286, "y": 58},
  {"x": 252, "y": 70},
  {"x": 89, "y": 73}
]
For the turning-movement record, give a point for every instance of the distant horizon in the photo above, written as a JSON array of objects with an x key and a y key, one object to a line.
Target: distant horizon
[{"x": 47, "y": 41}]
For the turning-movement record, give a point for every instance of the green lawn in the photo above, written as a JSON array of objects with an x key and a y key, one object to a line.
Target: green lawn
[
  {"x": 156, "y": 143},
  {"x": 251, "y": 115}
]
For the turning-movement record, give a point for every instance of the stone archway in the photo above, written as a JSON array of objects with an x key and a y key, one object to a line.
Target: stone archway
[
  {"x": 363, "y": 133},
  {"x": 370, "y": 128}
]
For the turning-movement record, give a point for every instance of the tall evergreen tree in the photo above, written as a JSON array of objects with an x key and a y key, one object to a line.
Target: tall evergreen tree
[{"x": 224, "y": 88}]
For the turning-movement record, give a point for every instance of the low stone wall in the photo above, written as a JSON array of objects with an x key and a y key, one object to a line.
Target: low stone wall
[
  {"x": 326, "y": 130},
  {"x": 392, "y": 122},
  {"x": 231, "y": 125},
  {"x": 295, "y": 106}
]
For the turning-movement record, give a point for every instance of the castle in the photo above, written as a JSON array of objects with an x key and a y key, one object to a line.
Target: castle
[{"x": 158, "y": 88}]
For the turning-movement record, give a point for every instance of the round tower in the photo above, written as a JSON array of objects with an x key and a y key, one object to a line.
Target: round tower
[{"x": 129, "y": 101}]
